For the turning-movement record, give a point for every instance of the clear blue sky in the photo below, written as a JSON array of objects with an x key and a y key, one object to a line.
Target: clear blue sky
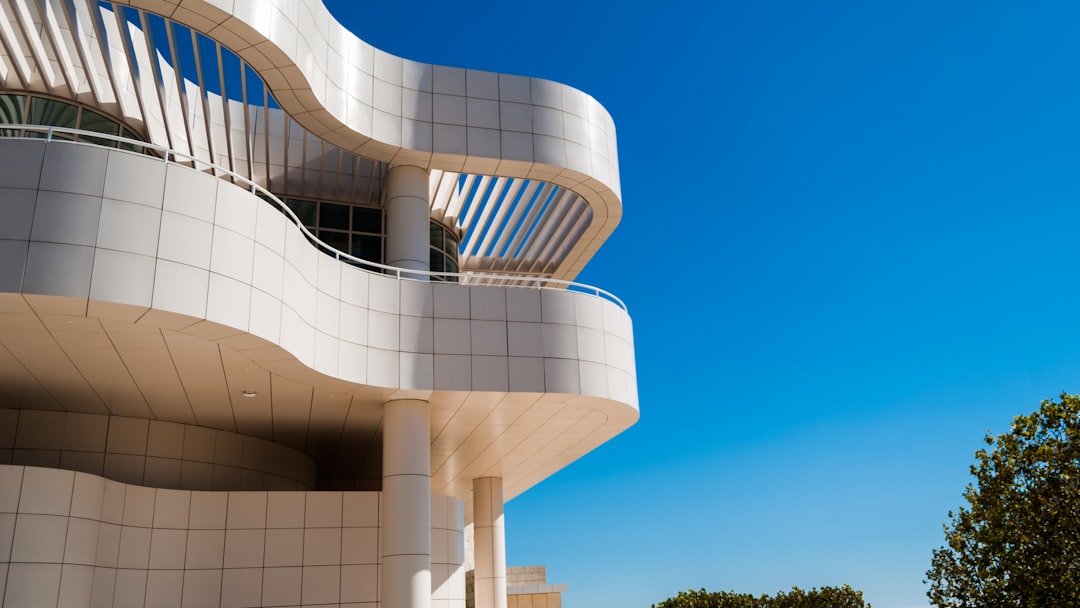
[{"x": 849, "y": 248}]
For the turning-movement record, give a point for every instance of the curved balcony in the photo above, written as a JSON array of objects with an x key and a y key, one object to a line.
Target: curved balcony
[
  {"x": 280, "y": 92},
  {"x": 135, "y": 285},
  {"x": 154, "y": 545}
]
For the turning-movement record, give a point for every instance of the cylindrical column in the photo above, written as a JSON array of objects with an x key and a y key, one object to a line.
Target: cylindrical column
[
  {"x": 408, "y": 218},
  {"x": 406, "y": 495},
  {"x": 489, "y": 543}
]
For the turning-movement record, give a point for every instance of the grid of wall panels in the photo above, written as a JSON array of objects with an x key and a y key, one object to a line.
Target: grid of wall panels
[
  {"x": 151, "y": 452},
  {"x": 78, "y": 539}
]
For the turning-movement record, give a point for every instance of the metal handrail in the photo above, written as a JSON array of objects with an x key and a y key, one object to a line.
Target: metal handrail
[{"x": 467, "y": 278}]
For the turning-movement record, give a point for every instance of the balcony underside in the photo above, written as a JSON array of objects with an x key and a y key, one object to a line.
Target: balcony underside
[{"x": 136, "y": 288}]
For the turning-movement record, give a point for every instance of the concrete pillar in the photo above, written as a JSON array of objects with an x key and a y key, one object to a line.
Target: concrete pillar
[
  {"x": 406, "y": 501},
  {"x": 408, "y": 235},
  {"x": 489, "y": 543}
]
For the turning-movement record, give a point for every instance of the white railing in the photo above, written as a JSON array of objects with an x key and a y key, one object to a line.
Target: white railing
[{"x": 168, "y": 155}]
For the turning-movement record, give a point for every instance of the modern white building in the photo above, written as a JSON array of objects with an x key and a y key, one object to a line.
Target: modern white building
[{"x": 285, "y": 318}]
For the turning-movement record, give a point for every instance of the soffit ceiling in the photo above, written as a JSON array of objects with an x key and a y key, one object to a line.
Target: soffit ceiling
[{"x": 54, "y": 356}]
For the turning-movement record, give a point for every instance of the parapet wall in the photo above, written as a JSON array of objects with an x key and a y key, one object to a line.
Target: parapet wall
[{"x": 74, "y": 539}]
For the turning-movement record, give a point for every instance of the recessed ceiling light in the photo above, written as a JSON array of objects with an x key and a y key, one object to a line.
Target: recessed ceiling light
[{"x": 248, "y": 394}]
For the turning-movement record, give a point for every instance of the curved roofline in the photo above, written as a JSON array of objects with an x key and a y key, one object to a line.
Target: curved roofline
[{"x": 399, "y": 111}]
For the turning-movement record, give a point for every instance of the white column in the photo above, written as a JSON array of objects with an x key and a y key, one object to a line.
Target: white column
[
  {"x": 489, "y": 543},
  {"x": 408, "y": 235},
  {"x": 406, "y": 500}
]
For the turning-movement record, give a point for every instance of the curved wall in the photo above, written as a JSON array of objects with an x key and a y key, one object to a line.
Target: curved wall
[
  {"x": 387, "y": 108},
  {"x": 320, "y": 70},
  {"x": 176, "y": 245},
  {"x": 151, "y": 453},
  {"x": 80, "y": 540}
]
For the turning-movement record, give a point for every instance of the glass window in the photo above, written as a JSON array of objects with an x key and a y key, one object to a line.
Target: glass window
[
  {"x": 92, "y": 121},
  {"x": 53, "y": 113},
  {"x": 337, "y": 240},
  {"x": 441, "y": 263},
  {"x": 333, "y": 216},
  {"x": 367, "y": 219},
  {"x": 12, "y": 108},
  {"x": 367, "y": 247},
  {"x": 331, "y": 222},
  {"x": 436, "y": 236},
  {"x": 305, "y": 210},
  {"x": 444, "y": 250},
  {"x": 451, "y": 245},
  {"x": 30, "y": 109},
  {"x": 131, "y": 147}
]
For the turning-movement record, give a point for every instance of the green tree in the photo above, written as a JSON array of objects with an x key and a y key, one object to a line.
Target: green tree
[
  {"x": 826, "y": 597},
  {"x": 1017, "y": 543}
]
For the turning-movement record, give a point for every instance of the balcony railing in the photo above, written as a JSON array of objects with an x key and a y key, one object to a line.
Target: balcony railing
[{"x": 167, "y": 155}]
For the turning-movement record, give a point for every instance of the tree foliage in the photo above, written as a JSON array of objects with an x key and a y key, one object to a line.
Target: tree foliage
[
  {"x": 1017, "y": 543},
  {"x": 826, "y": 597}
]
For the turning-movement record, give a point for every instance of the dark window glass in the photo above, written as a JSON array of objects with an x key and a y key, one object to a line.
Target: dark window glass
[
  {"x": 337, "y": 240},
  {"x": 451, "y": 246},
  {"x": 92, "y": 121},
  {"x": 51, "y": 112},
  {"x": 305, "y": 210},
  {"x": 331, "y": 223},
  {"x": 130, "y": 147},
  {"x": 12, "y": 108},
  {"x": 16, "y": 108},
  {"x": 333, "y": 216},
  {"x": 367, "y": 219},
  {"x": 445, "y": 265},
  {"x": 436, "y": 232},
  {"x": 444, "y": 250},
  {"x": 367, "y": 247}
]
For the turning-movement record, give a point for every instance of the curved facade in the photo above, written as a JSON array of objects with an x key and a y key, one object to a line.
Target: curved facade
[{"x": 170, "y": 328}]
